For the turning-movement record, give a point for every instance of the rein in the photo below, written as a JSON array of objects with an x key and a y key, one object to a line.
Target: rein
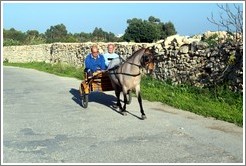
[
  {"x": 128, "y": 74},
  {"x": 133, "y": 64},
  {"x": 134, "y": 75},
  {"x": 114, "y": 69}
]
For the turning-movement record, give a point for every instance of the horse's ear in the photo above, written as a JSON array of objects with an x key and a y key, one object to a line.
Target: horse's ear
[{"x": 149, "y": 50}]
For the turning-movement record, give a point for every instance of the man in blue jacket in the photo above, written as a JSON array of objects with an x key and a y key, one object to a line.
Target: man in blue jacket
[{"x": 94, "y": 61}]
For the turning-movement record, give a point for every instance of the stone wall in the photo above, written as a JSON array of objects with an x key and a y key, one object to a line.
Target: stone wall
[
  {"x": 74, "y": 53},
  {"x": 181, "y": 59},
  {"x": 28, "y": 53},
  {"x": 199, "y": 65}
]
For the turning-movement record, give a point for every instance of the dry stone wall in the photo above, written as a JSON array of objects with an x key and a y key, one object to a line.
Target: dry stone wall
[
  {"x": 28, "y": 53},
  {"x": 199, "y": 65},
  {"x": 181, "y": 59}
]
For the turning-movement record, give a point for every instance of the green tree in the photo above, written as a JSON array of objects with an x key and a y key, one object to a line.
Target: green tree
[
  {"x": 99, "y": 34},
  {"x": 133, "y": 31},
  {"x": 71, "y": 38},
  {"x": 150, "y": 30},
  {"x": 110, "y": 37},
  {"x": 33, "y": 37},
  {"x": 13, "y": 37},
  {"x": 83, "y": 37},
  {"x": 57, "y": 33},
  {"x": 168, "y": 29},
  {"x": 153, "y": 19}
]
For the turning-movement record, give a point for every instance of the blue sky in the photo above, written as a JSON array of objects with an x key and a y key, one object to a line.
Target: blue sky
[{"x": 189, "y": 18}]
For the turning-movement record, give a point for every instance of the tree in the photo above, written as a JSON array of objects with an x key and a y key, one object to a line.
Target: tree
[
  {"x": 153, "y": 19},
  {"x": 13, "y": 37},
  {"x": 168, "y": 29},
  {"x": 100, "y": 35},
  {"x": 229, "y": 20},
  {"x": 33, "y": 37},
  {"x": 150, "y": 30},
  {"x": 83, "y": 37},
  {"x": 71, "y": 38},
  {"x": 133, "y": 30},
  {"x": 57, "y": 33},
  {"x": 110, "y": 37}
]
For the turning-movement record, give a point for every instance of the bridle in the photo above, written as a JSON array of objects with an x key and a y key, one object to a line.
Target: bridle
[{"x": 143, "y": 64}]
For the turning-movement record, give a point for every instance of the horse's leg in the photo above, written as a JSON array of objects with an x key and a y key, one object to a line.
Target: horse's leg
[
  {"x": 117, "y": 93},
  {"x": 124, "y": 91},
  {"x": 140, "y": 101}
]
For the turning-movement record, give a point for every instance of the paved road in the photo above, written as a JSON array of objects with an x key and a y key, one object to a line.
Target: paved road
[{"x": 43, "y": 122}]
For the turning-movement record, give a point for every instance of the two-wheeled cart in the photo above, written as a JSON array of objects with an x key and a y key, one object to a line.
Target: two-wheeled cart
[{"x": 99, "y": 82}]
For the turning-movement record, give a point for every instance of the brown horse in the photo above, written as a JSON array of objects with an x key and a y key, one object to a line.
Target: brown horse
[{"x": 127, "y": 76}]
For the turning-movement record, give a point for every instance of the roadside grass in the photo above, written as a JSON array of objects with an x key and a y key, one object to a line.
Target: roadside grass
[
  {"x": 60, "y": 69},
  {"x": 219, "y": 103}
]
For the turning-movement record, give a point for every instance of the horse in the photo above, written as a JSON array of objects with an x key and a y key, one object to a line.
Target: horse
[{"x": 126, "y": 76}]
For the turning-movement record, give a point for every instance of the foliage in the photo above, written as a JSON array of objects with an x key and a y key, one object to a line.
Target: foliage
[
  {"x": 13, "y": 37},
  {"x": 142, "y": 31},
  {"x": 232, "y": 59},
  {"x": 100, "y": 35},
  {"x": 33, "y": 37},
  {"x": 83, "y": 37},
  {"x": 212, "y": 40},
  {"x": 57, "y": 33},
  {"x": 138, "y": 30},
  {"x": 150, "y": 30},
  {"x": 168, "y": 29},
  {"x": 11, "y": 42}
]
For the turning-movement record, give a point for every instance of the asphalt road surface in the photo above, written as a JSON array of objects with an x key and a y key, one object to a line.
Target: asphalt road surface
[{"x": 43, "y": 122}]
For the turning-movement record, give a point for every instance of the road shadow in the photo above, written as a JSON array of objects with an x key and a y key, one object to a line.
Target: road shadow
[
  {"x": 101, "y": 98},
  {"x": 127, "y": 112},
  {"x": 97, "y": 97},
  {"x": 76, "y": 96}
]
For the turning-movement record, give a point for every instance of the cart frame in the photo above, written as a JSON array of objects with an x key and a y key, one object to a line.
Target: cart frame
[{"x": 99, "y": 82}]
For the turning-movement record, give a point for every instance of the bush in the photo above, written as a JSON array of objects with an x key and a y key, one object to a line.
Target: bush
[
  {"x": 212, "y": 40},
  {"x": 11, "y": 42}
]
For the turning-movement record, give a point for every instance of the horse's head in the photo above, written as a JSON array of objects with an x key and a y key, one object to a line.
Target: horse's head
[{"x": 148, "y": 59}]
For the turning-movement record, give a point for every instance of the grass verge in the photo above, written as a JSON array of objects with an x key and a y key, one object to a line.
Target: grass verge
[
  {"x": 223, "y": 105},
  {"x": 59, "y": 69}
]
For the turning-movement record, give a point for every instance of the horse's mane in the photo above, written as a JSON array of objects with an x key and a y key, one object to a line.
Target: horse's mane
[{"x": 135, "y": 53}]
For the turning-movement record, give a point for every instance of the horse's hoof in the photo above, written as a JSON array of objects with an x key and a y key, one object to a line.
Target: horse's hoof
[
  {"x": 144, "y": 117},
  {"x": 124, "y": 113},
  {"x": 115, "y": 106}
]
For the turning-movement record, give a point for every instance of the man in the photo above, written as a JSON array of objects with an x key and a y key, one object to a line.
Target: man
[
  {"x": 110, "y": 54},
  {"x": 94, "y": 61}
]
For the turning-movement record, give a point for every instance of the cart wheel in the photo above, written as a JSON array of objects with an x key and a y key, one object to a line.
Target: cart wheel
[
  {"x": 84, "y": 100},
  {"x": 84, "y": 97},
  {"x": 129, "y": 97}
]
